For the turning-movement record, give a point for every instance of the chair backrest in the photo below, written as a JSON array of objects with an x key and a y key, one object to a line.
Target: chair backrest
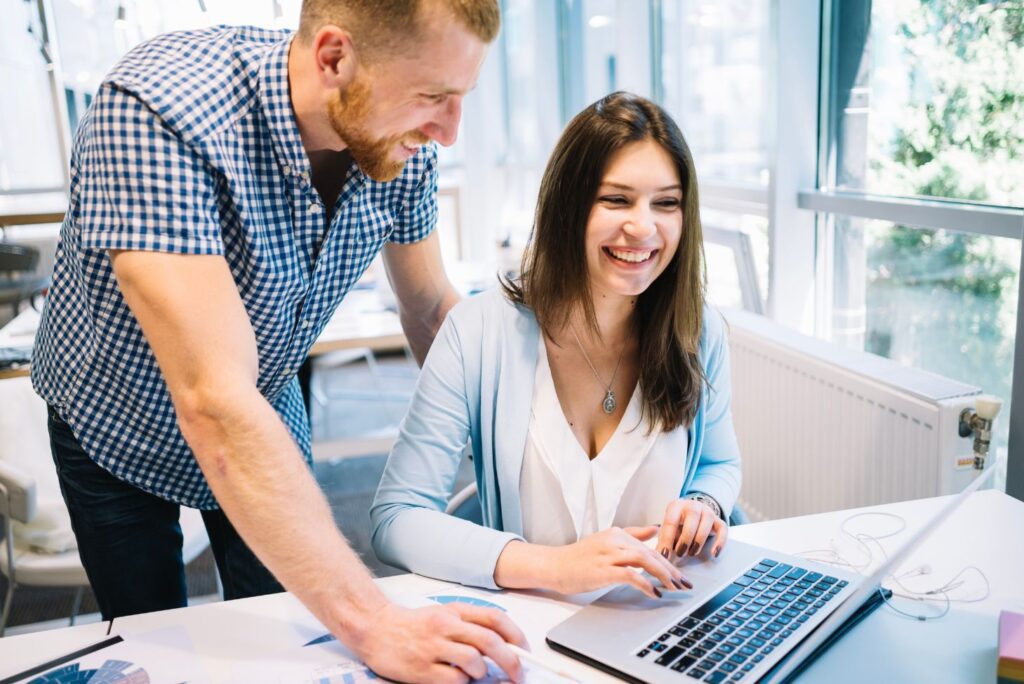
[
  {"x": 17, "y": 258},
  {"x": 17, "y": 493}
]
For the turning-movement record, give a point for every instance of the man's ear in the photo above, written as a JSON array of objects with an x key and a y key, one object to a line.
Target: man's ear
[{"x": 335, "y": 55}]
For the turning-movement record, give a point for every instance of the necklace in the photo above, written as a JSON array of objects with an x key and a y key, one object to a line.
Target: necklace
[{"x": 609, "y": 402}]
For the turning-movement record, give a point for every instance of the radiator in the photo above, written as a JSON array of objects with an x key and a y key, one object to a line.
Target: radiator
[{"x": 824, "y": 428}]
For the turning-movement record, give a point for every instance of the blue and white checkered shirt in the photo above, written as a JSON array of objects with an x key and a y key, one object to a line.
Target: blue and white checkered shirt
[{"x": 191, "y": 147}]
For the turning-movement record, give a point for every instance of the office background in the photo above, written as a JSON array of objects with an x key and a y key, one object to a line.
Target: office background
[{"x": 861, "y": 163}]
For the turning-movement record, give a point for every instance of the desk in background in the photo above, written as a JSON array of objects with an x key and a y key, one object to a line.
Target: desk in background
[{"x": 959, "y": 647}]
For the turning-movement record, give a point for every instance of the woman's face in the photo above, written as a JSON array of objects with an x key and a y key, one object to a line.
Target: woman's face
[{"x": 636, "y": 222}]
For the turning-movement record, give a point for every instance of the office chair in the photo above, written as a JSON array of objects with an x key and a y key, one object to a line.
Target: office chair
[
  {"x": 18, "y": 278},
  {"x": 30, "y": 493},
  {"x": 26, "y": 566}
]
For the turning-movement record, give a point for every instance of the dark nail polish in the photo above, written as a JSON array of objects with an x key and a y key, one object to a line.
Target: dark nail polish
[
  {"x": 693, "y": 548},
  {"x": 677, "y": 583},
  {"x": 664, "y": 553},
  {"x": 716, "y": 552},
  {"x": 688, "y": 583},
  {"x": 656, "y": 592}
]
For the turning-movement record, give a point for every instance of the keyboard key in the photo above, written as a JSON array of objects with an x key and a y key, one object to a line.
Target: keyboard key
[
  {"x": 748, "y": 667},
  {"x": 733, "y": 606},
  {"x": 748, "y": 650},
  {"x": 665, "y": 637},
  {"x": 769, "y": 562},
  {"x": 819, "y": 604},
  {"x": 753, "y": 575},
  {"x": 743, "y": 581},
  {"x": 744, "y": 615},
  {"x": 756, "y": 624},
  {"x": 737, "y": 676},
  {"x": 812, "y": 610},
  {"x": 643, "y": 652},
  {"x": 812, "y": 576},
  {"x": 727, "y": 629},
  {"x": 668, "y": 656},
  {"x": 696, "y": 674},
  {"x": 767, "y": 649},
  {"x": 761, "y": 601},
  {"x": 719, "y": 635},
  {"x": 727, "y": 667},
  {"x": 802, "y": 584},
  {"x": 777, "y": 641},
  {"x": 687, "y": 642},
  {"x": 708, "y": 644},
  {"x": 830, "y": 580},
  {"x": 835, "y": 589},
  {"x": 791, "y": 613},
  {"x": 785, "y": 582},
  {"x": 716, "y": 677},
  {"x": 802, "y": 619},
  {"x": 675, "y": 631},
  {"x": 815, "y": 593},
  {"x": 717, "y": 601},
  {"x": 717, "y": 619},
  {"x": 697, "y": 652},
  {"x": 843, "y": 583},
  {"x": 726, "y": 648},
  {"x": 760, "y": 586},
  {"x": 690, "y": 623},
  {"x": 758, "y": 658},
  {"x": 796, "y": 573},
  {"x": 828, "y": 597},
  {"x": 742, "y": 600},
  {"x": 737, "y": 659},
  {"x": 684, "y": 662},
  {"x": 780, "y": 570},
  {"x": 656, "y": 646},
  {"x": 744, "y": 633},
  {"x": 757, "y": 642},
  {"x": 716, "y": 657},
  {"x": 785, "y": 633},
  {"x": 735, "y": 622},
  {"x": 788, "y": 598},
  {"x": 762, "y": 567}
]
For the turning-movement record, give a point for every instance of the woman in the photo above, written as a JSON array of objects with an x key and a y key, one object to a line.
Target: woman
[{"x": 594, "y": 390}]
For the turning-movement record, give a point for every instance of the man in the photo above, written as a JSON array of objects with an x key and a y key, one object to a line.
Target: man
[{"x": 228, "y": 187}]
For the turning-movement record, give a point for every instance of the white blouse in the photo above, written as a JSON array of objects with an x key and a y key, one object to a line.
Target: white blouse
[{"x": 566, "y": 496}]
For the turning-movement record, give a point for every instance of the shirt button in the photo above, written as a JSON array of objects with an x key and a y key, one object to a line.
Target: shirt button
[
  {"x": 305, "y": 176},
  {"x": 314, "y": 208},
  {"x": 286, "y": 169}
]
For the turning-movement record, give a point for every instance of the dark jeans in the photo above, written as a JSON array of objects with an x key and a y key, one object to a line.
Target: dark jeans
[{"x": 130, "y": 541}]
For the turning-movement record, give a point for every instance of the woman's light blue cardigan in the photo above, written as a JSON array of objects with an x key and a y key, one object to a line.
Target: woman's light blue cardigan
[{"x": 476, "y": 386}]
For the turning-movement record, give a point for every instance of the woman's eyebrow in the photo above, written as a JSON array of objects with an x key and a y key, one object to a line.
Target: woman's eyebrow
[{"x": 623, "y": 186}]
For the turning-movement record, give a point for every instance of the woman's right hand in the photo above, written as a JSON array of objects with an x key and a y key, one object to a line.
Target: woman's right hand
[{"x": 611, "y": 557}]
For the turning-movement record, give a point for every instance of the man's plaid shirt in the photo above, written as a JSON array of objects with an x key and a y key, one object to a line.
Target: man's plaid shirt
[{"x": 191, "y": 147}]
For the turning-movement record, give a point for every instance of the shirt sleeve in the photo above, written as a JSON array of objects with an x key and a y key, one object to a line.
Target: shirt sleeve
[
  {"x": 718, "y": 471},
  {"x": 141, "y": 187},
  {"x": 419, "y": 213},
  {"x": 409, "y": 527}
]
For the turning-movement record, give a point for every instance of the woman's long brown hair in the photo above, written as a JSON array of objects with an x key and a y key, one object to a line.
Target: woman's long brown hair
[{"x": 553, "y": 280}]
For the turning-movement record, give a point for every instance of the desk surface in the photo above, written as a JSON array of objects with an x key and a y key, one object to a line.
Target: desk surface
[
  {"x": 32, "y": 208},
  {"x": 957, "y": 648},
  {"x": 360, "y": 321}
]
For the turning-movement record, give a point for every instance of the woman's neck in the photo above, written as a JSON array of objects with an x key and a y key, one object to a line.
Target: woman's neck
[{"x": 614, "y": 316}]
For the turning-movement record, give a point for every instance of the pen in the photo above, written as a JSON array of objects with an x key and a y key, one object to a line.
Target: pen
[{"x": 534, "y": 661}]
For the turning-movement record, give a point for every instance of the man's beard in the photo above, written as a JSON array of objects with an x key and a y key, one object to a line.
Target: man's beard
[{"x": 348, "y": 112}]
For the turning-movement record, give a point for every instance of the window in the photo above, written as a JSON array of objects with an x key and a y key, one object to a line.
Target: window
[{"x": 924, "y": 100}]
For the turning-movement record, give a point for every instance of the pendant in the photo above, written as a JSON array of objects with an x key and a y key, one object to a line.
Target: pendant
[{"x": 609, "y": 402}]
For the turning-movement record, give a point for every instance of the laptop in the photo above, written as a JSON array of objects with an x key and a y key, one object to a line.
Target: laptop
[{"x": 754, "y": 615}]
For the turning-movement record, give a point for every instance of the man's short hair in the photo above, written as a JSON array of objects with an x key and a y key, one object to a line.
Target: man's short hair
[{"x": 379, "y": 28}]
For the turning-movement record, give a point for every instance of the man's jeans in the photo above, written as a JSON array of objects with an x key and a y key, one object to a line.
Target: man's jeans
[{"x": 130, "y": 541}]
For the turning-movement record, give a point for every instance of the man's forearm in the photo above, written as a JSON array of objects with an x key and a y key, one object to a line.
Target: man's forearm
[
  {"x": 422, "y": 319},
  {"x": 263, "y": 485}
]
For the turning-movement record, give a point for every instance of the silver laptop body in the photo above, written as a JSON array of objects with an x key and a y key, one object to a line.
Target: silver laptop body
[{"x": 718, "y": 632}]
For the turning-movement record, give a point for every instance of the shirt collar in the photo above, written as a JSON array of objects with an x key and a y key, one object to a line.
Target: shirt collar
[{"x": 275, "y": 97}]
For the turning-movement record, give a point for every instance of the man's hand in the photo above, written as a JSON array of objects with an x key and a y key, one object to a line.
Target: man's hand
[
  {"x": 440, "y": 644},
  {"x": 686, "y": 528},
  {"x": 612, "y": 557}
]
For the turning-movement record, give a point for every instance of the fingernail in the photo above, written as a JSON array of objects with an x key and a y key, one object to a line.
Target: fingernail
[
  {"x": 664, "y": 553},
  {"x": 716, "y": 552},
  {"x": 693, "y": 548},
  {"x": 687, "y": 583},
  {"x": 656, "y": 592}
]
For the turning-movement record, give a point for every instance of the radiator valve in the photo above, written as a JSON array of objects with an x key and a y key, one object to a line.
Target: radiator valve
[{"x": 978, "y": 421}]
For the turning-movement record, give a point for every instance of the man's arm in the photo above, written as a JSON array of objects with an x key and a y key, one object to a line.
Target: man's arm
[
  {"x": 421, "y": 286},
  {"x": 195, "y": 322}
]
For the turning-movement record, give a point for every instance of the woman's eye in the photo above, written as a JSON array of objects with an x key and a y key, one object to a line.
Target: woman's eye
[
  {"x": 614, "y": 199},
  {"x": 668, "y": 204}
]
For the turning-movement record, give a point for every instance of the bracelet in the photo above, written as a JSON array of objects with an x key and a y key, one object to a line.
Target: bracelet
[{"x": 708, "y": 501}]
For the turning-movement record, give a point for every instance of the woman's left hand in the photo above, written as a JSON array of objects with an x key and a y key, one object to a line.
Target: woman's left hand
[{"x": 687, "y": 526}]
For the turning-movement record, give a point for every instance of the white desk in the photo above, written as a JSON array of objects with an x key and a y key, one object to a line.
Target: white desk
[
  {"x": 960, "y": 647},
  {"x": 18, "y": 653}
]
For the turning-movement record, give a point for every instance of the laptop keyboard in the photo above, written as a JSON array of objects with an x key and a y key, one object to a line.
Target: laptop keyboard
[{"x": 741, "y": 625}]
